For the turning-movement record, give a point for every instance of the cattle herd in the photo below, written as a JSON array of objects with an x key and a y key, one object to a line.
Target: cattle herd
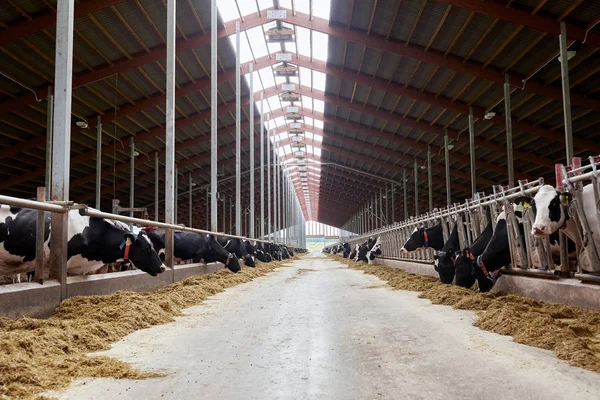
[
  {"x": 94, "y": 244},
  {"x": 490, "y": 251}
]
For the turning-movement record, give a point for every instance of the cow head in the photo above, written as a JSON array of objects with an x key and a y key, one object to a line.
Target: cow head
[
  {"x": 550, "y": 210},
  {"x": 158, "y": 241},
  {"x": 375, "y": 250},
  {"x": 142, "y": 255},
  {"x": 415, "y": 241},
  {"x": 464, "y": 268},
  {"x": 361, "y": 253},
  {"x": 230, "y": 260},
  {"x": 444, "y": 265}
]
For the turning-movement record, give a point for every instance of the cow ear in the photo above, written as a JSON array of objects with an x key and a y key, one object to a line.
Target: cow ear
[
  {"x": 565, "y": 198},
  {"x": 130, "y": 236}
]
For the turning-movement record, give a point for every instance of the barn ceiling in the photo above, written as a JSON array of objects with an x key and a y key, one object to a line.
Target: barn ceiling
[{"x": 379, "y": 81}]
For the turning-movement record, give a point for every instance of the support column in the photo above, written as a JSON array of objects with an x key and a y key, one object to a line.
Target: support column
[
  {"x": 262, "y": 168},
  {"x": 238, "y": 136},
  {"x": 170, "y": 210},
  {"x": 251, "y": 232},
  {"x": 404, "y": 187},
  {"x": 393, "y": 204},
  {"x": 156, "y": 180},
  {"x": 472, "y": 151},
  {"x": 224, "y": 208},
  {"x": 61, "y": 146},
  {"x": 213, "y": 115},
  {"x": 49, "y": 139},
  {"x": 509, "y": 139},
  {"x": 447, "y": 161},
  {"x": 98, "y": 161},
  {"x": 190, "y": 211},
  {"x": 564, "y": 73},
  {"x": 269, "y": 198},
  {"x": 208, "y": 208},
  {"x": 176, "y": 200},
  {"x": 131, "y": 178},
  {"x": 416, "y": 172},
  {"x": 430, "y": 178},
  {"x": 387, "y": 205}
]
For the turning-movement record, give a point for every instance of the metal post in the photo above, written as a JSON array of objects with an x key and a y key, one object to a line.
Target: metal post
[
  {"x": 430, "y": 178},
  {"x": 251, "y": 103},
  {"x": 509, "y": 140},
  {"x": 393, "y": 204},
  {"x": 570, "y": 153},
  {"x": 156, "y": 180},
  {"x": 230, "y": 215},
  {"x": 223, "y": 214},
  {"x": 49, "y": 119},
  {"x": 564, "y": 72},
  {"x": 262, "y": 168},
  {"x": 131, "y": 178},
  {"x": 404, "y": 188},
  {"x": 213, "y": 114},
  {"x": 170, "y": 211},
  {"x": 447, "y": 161},
  {"x": 416, "y": 172},
  {"x": 176, "y": 188},
  {"x": 39, "y": 242},
  {"x": 472, "y": 151},
  {"x": 269, "y": 198},
  {"x": 208, "y": 205},
  {"x": 238, "y": 137},
  {"x": 387, "y": 205},
  {"x": 61, "y": 147},
  {"x": 275, "y": 191},
  {"x": 99, "y": 161},
  {"x": 191, "y": 185}
]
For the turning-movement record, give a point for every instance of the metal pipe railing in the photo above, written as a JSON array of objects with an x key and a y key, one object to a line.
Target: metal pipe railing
[{"x": 57, "y": 207}]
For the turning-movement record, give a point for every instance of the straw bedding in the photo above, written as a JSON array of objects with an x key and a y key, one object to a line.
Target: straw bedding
[
  {"x": 44, "y": 354},
  {"x": 571, "y": 333}
]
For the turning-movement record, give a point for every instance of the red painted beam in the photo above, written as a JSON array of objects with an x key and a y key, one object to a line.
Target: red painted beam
[{"x": 539, "y": 22}]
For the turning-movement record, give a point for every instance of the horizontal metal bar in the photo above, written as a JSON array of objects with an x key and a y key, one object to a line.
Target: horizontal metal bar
[
  {"x": 33, "y": 204},
  {"x": 123, "y": 218}
]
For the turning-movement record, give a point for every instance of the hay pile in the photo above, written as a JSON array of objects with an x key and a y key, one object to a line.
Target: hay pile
[
  {"x": 38, "y": 355},
  {"x": 572, "y": 333}
]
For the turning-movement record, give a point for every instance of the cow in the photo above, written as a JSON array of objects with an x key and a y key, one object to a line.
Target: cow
[
  {"x": 195, "y": 247},
  {"x": 550, "y": 208},
  {"x": 92, "y": 242},
  {"x": 237, "y": 247},
  {"x": 424, "y": 237},
  {"x": 257, "y": 251},
  {"x": 363, "y": 249},
  {"x": 353, "y": 253},
  {"x": 444, "y": 260},
  {"x": 374, "y": 250},
  {"x": 464, "y": 262},
  {"x": 274, "y": 251}
]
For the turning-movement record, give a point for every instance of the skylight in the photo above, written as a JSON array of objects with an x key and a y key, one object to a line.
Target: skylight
[{"x": 254, "y": 45}]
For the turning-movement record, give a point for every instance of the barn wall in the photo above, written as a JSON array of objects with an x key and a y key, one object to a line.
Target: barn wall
[
  {"x": 34, "y": 300},
  {"x": 569, "y": 291}
]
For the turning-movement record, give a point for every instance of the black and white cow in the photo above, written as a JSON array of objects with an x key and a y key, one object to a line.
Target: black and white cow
[
  {"x": 465, "y": 259},
  {"x": 237, "y": 247},
  {"x": 423, "y": 238},
  {"x": 257, "y": 251},
  {"x": 363, "y": 249},
  {"x": 550, "y": 209},
  {"x": 374, "y": 250},
  {"x": 92, "y": 242},
  {"x": 444, "y": 260},
  {"x": 195, "y": 247}
]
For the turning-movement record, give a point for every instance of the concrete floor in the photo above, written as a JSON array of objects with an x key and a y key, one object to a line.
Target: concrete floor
[{"x": 318, "y": 330}]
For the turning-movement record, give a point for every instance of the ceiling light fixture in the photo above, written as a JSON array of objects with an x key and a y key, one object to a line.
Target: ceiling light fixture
[
  {"x": 82, "y": 124},
  {"x": 489, "y": 115},
  {"x": 570, "y": 55},
  {"x": 450, "y": 146}
]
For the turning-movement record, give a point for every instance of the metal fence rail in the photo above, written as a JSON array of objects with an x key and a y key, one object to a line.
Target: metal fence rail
[{"x": 530, "y": 255}]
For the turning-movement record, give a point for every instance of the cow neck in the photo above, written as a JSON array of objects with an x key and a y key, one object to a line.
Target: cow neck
[
  {"x": 481, "y": 266},
  {"x": 433, "y": 237}
]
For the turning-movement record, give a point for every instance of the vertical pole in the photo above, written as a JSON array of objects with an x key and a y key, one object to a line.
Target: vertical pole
[
  {"x": 262, "y": 168},
  {"x": 275, "y": 191},
  {"x": 61, "y": 147},
  {"x": 49, "y": 141},
  {"x": 98, "y": 161},
  {"x": 230, "y": 215},
  {"x": 39, "y": 242},
  {"x": 393, "y": 204},
  {"x": 213, "y": 115},
  {"x": 430, "y": 178},
  {"x": 381, "y": 215},
  {"x": 224, "y": 208},
  {"x": 251, "y": 232},
  {"x": 170, "y": 211},
  {"x": 269, "y": 198},
  {"x": 156, "y": 180},
  {"x": 472, "y": 151},
  {"x": 405, "y": 194},
  {"x": 387, "y": 205},
  {"x": 416, "y": 172},
  {"x": 509, "y": 140},
  {"x": 447, "y": 161},
  {"x": 190, "y": 183},
  {"x": 208, "y": 205},
  {"x": 131, "y": 178},
  {"x": 570, "y": 153},
  {"x": 176, "y": 197},
  {"x": 238, "y": 137},
  {"x": 564, "y": 72}
]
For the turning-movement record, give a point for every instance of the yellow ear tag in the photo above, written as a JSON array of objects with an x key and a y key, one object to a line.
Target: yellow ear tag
[
  {"x": 526, "y": 205},
  {"x": 129, "y": 242}
]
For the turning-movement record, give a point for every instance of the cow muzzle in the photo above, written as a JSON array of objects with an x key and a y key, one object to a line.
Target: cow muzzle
[
  {"x": 163, "y": 268},
  {"x": 539, "y": 230},
  {"x": 404, "y": 251}
]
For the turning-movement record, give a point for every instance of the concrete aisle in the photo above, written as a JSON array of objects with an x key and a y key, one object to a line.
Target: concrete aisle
[{"x": 318, "y": 330}]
